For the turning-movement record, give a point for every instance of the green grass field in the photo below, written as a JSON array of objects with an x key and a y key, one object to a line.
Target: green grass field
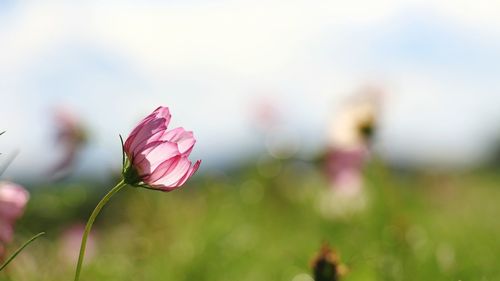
[{"x": 243, "y": 225}]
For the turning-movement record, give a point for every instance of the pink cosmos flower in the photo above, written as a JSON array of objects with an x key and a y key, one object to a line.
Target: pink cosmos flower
[
  {"x": 157, "y": 157},
  {"x": 13, "y": 199}
]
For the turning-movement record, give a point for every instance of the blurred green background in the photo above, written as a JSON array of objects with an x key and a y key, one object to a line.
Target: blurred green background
[{"x": 242, "y": 225}]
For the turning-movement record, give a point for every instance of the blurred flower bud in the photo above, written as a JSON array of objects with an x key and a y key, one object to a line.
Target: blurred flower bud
[{"x": 326, "y": 266}]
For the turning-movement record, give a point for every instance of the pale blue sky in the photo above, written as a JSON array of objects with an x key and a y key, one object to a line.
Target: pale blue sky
[{"x": 114, "y": 63}]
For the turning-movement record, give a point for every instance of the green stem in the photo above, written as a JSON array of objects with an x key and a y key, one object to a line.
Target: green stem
[
  {"x": 91, "y": 220},
  {"x": 20, "y": 249}
]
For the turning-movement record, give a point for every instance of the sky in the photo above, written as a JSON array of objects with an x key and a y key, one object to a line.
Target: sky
[{"x": 212, "y": 61}]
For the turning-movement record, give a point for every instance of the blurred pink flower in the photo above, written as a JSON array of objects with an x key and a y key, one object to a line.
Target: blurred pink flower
[
  {"x": 344, "y": 169},
  {"x": 13, "y": 199},
  {"x": 157, "y": 157},
  {"x": 6, "y": 232},
  {"x": 2, "y": 252},
  {"x": 266, "y": 114},
  {"x": 71, "y": 137},
  {"x": 69, "y": 243},
  {"x": 350, "y": 138}
]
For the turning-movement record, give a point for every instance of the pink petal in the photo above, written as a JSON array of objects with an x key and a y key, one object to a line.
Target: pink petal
[
  {"x": 184, "y": 139},
  {"x": 145, "y": 144},
  {"x": 186, "y": 144},
  {"x": 164, "y": 168},
  {"x": 162, "y": 112},
  {"x": 174, "y": 134},
  {"x": 149, "y": 126},
  {"x": 153, "y": 155},
  {"x": 135, "y": 131},
  {"x": 189, "y": 173},
  {"x": 173, "y": 175},
  {"x": 148, "y": 130}
]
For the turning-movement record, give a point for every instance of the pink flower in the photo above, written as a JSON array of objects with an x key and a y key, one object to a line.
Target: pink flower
[
  {"x": 158, "y": 158},
  {"x": 13, "y": 199},
  {"x": 344, "y": 168},
  {"x": 69, "y": 243},
  {"x": 6, "y": 232},
  {"x": 71, "y": 138}
]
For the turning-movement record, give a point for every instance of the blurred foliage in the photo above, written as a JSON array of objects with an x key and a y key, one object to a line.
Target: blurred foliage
[{"x": 249, "y": 224}]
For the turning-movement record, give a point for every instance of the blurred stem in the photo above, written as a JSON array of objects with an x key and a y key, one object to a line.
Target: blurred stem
[
  {"x": 8, "y": 162},
  {"x": 20, "y": 249},
  {"x": 90, "y": 222}
]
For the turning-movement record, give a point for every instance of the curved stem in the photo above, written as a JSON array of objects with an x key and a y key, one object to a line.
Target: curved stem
[
  {"x": 91, "y": 220},
  {"x": 20, "y": 249}
]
